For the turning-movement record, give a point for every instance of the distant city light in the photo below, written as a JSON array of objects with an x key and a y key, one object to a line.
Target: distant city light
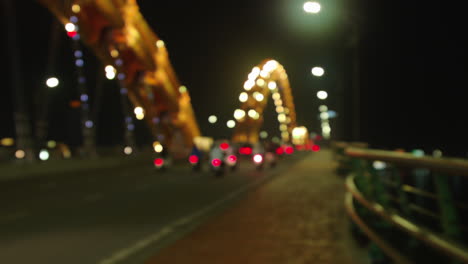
[
  {"x": 51, "y": 144},
  {"x": 322, "y": 95},
  {"x": 212, "y": 119},
  {"x": 139, "y": 112},
  {"x": 128, "y": 150},
  {"x": 231, "y": 123},
  {"x": 379, "y": 165},
  {"x": 76, "y": 8},
  {"x": 7, "y": 142},
  {"x": 260, "y": 82},
  {"x": 158, "y": 148},
  {"x": 20, "y": 154},
  {"x": 44, "y": 154},
  {"x": 258, "y": 96},
  {"x": 323, "y": 108},
  {"x": 272, "y": 85},
  {"x": 239, "y": 114},
  {"x": 69, "y": 27},
  {"x": 324, "y": 115},
  {"x": 249, "y": 84},
  {"x": 160, "y": 44},
  {"x": 79, "y": 62},
  {"x": 89, "y": 124},
  {"x": 243, "y": 97},
  {"x": 52, "y": 82},
  {"x": 114, "y": 53},
  {"x": 318, "y": 71},
  {"x": 182, "y": 89},
  {"x": 312, "y": 7},
  {"x": 263, "y": 134}
]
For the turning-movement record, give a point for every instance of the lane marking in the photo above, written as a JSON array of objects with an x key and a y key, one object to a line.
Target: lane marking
[{"x": 125, "y": 253}]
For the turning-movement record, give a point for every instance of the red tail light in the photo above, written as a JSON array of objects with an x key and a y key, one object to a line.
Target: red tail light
[
  {"x": 245, "y": 151},
  {"x": 232, "y": 158},
  {"x": 315, "y": 148},
  {"x": 216, "y": 162},
  {"x": 158, "y": 162},
  {"x": 257, "y": 158},
  {"x": 224, "y": 146},
  {"x": 193, "y": 159},
  {"x": 289, "y": 150},
  {"x": 279, "y": 151}
]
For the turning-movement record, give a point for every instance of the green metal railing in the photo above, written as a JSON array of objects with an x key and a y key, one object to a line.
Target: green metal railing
[{"x": 414, "y": 209}]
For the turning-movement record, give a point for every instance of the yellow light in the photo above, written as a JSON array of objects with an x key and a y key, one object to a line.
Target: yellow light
[
  {"x": 263, "y": 134},
  {"x": 260, "y": 82},
  {"x": 281, "y": 118},
  {"x": 183, "y": 89},
  {"x": 323, "y": 108},
  {"x": 264, "y": 74},
  {"x": 285, "y": 135},
  {"x": 254, "y": 74},
  {"x": 110, "y": 75},
  {"x": 272, "y": 85},
  {"x": 114, "y": 53},
  {"x": 7, "y": 142},
  {"x": 158, "y": 148},
  {"x": 270, "y": 65},
  {"x": 239, "y": 114},
  {"x": 283, "y": 127},
  {"x": 279, "y": 102},
  {"x": 243, "y": 97},
  {"x": 324, "y": 115},
  {"x": 76, "y": 8},
  {"x": 276, "y": 96},
  {"x": 258, "y": 96},
  {"x": 249, "y": 84},
  {"x": 70, "y": 27},
  {"x": 252, "y": 113},
  {"x": 109, "y": 68},
  {"x": 286, "y": 110},
  {"x": 139, "y": 112},
  {"x": 160, "y": 44},
  {"x": 128, "y": 150},
  {"x": 312, "y": 7},
  {"x": 279, "y": 109},
  {"x": 212, "y": 119},
  {"x": 322, "y": 95},
  {"x": 51, "y": 144},
  {"x": 231, "y": 123}
]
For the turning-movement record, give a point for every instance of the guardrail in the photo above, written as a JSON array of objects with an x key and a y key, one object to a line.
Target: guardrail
[{"x": 415, "y": 209}]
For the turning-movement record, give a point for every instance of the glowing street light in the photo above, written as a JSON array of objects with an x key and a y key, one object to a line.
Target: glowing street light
[
  {"x": 212, "y": 119},
  {"x": 52, "y": 82},
  {"x": 318, "y": 71},
  {"x": 312, "y": 7},
  {"x": 322, "y": 95},
  {"x": 231, "y": 123}
]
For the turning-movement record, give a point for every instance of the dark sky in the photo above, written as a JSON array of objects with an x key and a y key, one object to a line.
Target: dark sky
[{"x": 413, "y": 66}]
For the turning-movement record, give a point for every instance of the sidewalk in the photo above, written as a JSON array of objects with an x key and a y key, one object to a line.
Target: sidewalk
[{"x": 294, "y": 218}]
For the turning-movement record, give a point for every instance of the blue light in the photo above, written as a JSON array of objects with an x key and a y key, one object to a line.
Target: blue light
[
  {"x": 74, "y": 19},
  {"x": 84, "y": 97},
  {"x": 79, "y": 63},
  {"x": 155, "y": 120},
  {"x": 76, "y": 37},
  {"x": 123, "y": 90},
  {"x": 121, "y": 76},
  {"x": 81, "y": 79},
  {"x": 130, "y": 127},
  {"x": 128, "y": 119},
  {"x": 118, "y": 62},
  {"x": 78, "y": 54},
  {"x": 89, "y": 124}
]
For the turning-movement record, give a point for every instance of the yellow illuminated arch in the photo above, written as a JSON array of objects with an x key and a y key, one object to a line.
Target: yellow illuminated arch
[{"x": 267, "y": 78}]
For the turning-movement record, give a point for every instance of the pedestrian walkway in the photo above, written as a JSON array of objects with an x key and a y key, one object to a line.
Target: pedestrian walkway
[{"x": 297, "y": 217}]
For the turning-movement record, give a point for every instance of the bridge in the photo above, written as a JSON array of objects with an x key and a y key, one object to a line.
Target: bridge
[{"x": 328, "y": 202}]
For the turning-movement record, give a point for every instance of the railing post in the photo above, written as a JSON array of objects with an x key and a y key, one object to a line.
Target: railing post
[{"x": 449, "y": 218}]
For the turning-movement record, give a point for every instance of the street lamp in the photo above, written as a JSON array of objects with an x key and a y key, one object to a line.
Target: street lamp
[
  {"x": 318, "y": 71},
  {"x": 312, "y": 7},
  {"x": 212, "y": 119},
  {"x": 322, "y": 95},
  {"x": 52, "y": 82}
]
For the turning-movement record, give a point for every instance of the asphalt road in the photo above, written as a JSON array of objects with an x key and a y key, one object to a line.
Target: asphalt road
[{"x": 122, "y": 214}]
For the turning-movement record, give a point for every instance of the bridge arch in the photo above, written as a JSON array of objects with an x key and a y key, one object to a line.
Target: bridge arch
[{"x": 269, "y": 78}]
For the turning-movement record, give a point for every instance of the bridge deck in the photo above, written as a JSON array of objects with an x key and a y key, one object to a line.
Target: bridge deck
[{"x": 294, "y": 218}]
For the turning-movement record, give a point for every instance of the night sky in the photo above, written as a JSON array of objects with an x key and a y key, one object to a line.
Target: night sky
[{"x": 413, "y": 67}]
